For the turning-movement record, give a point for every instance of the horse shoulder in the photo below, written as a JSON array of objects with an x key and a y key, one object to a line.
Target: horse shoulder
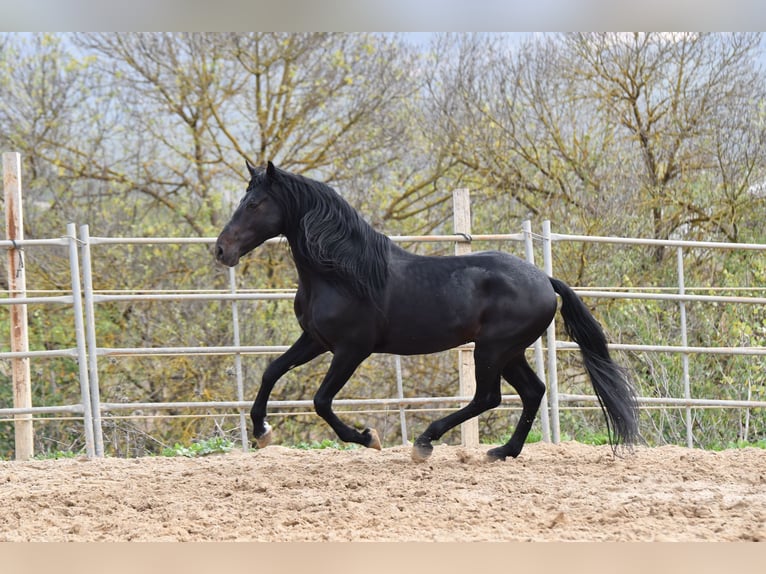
[{"x": 333, "y": 316}]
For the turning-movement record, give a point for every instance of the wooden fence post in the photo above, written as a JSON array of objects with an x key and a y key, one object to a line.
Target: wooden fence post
[
  {"x": 17, "y": 287},
  {"x": 461, "y": 203}
]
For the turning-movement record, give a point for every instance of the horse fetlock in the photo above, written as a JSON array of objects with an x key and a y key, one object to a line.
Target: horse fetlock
[{"x": 264, "y": 439}]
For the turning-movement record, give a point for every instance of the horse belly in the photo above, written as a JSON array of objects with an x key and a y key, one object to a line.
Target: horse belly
[{"x": 419, "y": 326}]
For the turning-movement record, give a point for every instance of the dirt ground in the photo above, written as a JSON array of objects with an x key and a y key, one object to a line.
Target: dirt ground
[{"x": 551, "y": 493}]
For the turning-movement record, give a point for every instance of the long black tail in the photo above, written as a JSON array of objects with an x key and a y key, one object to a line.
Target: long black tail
[{"x": 613, "y": 389}]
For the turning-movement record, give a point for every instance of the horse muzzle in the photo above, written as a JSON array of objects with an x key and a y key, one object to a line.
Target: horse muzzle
[{"x": 226, "y": 253}]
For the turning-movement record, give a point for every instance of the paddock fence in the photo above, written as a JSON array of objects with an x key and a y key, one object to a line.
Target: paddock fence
[{"x": 80, "y": 248}]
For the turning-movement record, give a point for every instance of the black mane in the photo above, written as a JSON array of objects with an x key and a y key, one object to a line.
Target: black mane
[{"x": 329, "y": 236}]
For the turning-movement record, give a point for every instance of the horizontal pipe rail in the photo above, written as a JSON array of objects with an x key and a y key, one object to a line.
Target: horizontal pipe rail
[
  {"x": 755, "y": 351},
  {"x": 77, "y": 409},
  {"x": 275, "y": 349},
  {"x": 657, "y": 242},
  {"x": 62, "y": 300},
  {"x": 288, "y": 294},
  {"x": 451, "y": 238},
  {"x": 676, "y": 402},
  {"x": 21, "y": 243},
  {"x": 195, "y": 297},
  {"x": 49, "y": 353},
  {"x": 387, "y": 402},
  {"x": 686, "y": 297},
  {"x": 420, "y": 401},
  {"x": 169, "y": 351}
]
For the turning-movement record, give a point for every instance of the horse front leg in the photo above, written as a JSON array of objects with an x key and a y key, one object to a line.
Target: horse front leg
[
  {"x": 343, "y": 365},
  {"x": 302, "y": 351}
]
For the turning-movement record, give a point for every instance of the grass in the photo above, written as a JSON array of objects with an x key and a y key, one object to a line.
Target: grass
[
  {"x": 219, "y": 445},
  {"x": 738, "y": 444},
  {"x": 223, "y": 445},
  {"x": 325, "y": 443},
  {"x": 592, "y": 438},
  {"x": 215, "y": 445},
  {"x": 57, "y": 454}
]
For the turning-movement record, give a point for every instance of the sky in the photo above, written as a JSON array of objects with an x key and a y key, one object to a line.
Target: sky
[{"x": 380, "y": 16}]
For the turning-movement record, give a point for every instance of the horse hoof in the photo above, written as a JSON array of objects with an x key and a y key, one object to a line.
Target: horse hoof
[
  {"x": 374, "y": 441},
  {"x": 421, "y": 452},
  {"x": 494, "y": 455},
  {"x": 265, "y": 439}
]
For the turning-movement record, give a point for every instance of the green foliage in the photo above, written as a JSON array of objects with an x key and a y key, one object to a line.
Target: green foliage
[
  {"x": 57, "y": 455},
  {"x": 215, "y": 445},
  {"x": 738, "y": 444},
  {"x": 534, "y": 436},
  {"x": 325, "y": 443}
]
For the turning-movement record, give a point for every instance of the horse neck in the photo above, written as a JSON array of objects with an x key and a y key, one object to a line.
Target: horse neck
[
  {"x": 297, "y": 249},
  {"x": 360, "y": 282}
]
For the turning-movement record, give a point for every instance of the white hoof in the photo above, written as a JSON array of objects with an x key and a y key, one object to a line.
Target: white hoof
[{"x": 265, "y": 439}]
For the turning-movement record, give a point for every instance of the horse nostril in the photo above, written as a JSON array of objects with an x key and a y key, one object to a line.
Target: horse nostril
[{"x": 218, "y": 252}]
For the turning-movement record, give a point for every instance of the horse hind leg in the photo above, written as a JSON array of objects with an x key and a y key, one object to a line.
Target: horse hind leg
[
  {"x": 531, "y": 390},
  {"x": 486, "y": 397}
]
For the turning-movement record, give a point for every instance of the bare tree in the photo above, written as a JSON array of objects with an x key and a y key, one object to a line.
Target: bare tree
[
  {"x": 321, "y": 104},
  {"x": 676, "y": 97},
  {"x": 608, "y": 132}
]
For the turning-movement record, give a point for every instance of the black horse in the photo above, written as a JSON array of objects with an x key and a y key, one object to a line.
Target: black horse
[{"x": 359, "y": 293}]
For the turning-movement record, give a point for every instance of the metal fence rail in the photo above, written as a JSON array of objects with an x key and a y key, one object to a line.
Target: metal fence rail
[
  {"x": 84, "y": 301},
  {"x": 681, "y": 297},
  {"x": 79, "y": 352}
]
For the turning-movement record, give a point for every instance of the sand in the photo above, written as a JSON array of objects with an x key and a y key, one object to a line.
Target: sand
[{"x": 550, "y": 493}]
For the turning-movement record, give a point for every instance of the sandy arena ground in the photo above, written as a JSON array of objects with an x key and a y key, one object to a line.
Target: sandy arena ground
[{"x": 551, "y": 493}]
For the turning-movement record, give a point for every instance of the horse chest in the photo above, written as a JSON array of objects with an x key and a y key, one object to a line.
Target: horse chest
[{"x": 332, "y": 317}]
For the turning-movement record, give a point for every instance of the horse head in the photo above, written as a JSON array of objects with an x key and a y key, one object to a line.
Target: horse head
[{"x": 256, "y": 219}]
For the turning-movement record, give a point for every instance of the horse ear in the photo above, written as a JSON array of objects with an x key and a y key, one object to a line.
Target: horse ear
[
  {"x": 271, "y": 171},
  {"x": 250, "y": 168}
]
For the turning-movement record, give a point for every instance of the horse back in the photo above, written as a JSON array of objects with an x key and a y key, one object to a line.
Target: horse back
[{"x": 436, "y": 303}]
